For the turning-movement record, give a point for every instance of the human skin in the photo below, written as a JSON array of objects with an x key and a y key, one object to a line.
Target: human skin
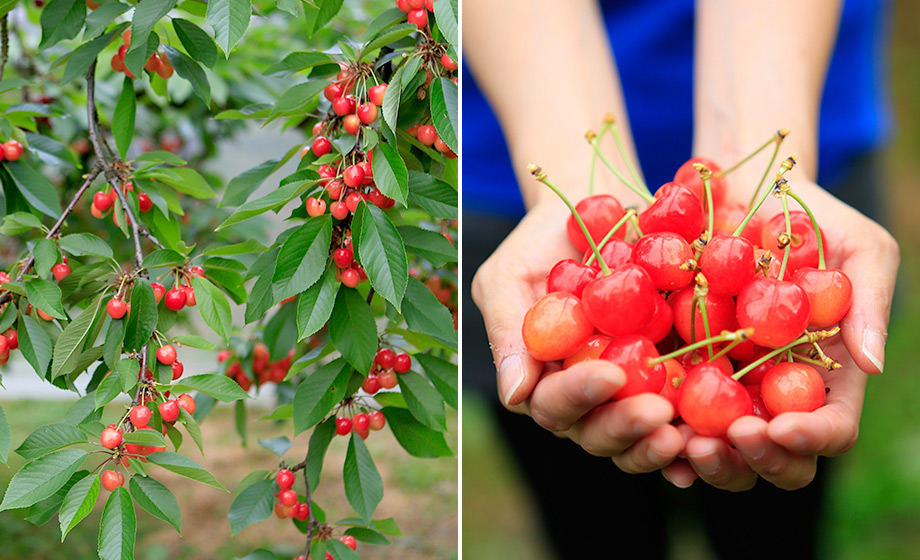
[{"x": 760, "y": 66}]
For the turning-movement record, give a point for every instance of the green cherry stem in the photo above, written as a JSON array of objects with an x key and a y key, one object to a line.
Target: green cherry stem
[
  {"x": 725, "y": 336},
  {"x": 787, "y": 164},
  {"x": 619, "y": 142},
  {"x": 645, "y": 194},
  {"x": 706, "y": 177},
  {"x": 702, "y": 304},
  {"x": 728, "y": 348},
  {"x": 776, "y": 138},
  {"x": 807, "y": 338},
  {"x": 604, "y": 129},
  {"x": 788, "y": 248},
  {"x": 814, "y": 223},
  {"x": 629, "y": 212},
  {"x": 780, "y": 135},
  {"x": 540, "y": 175}
]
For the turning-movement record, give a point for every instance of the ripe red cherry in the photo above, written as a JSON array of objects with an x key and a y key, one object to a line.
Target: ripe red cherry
[
  {"x": 555, "y": 327},
  {"x": 448, "y": 63},
  {"x": 661, "y": 254},
  {"x": 60, "y": 271},
  {"x": 620, "y": 303},
  {"x": 166, "y": 354},
  {"x": 12, "y": 150},
  {"x": 12, "y": 338},
  {"x": 829, "y": 291},
  {"x": 676, "y": 209},
  {"x": 343, "y": 257},
  {"x": 720, "y": 311},
  {"x": 144, "y": 203},
  {"x": 352, "y": 200},
  {"x": 709, "y": 401},
  {"x": 792, "y": 387},
  {"x": 189, "y": 295},
  {"x": 371, "y": 385},
  {"x": 569, "y": 276},
  {"x": 615, "y": 253},
  {"x": 302, "y": 511},
  {"x": 341, "y": 106},
  {"x": 338, "y": 210},
  {"x": 760, "y": 409},
  {"x": 169, "y": 410},
  {"x": 728, "y": 264},
  {"x": 427, "y": 134},
  {"x": 351, "y": 124},
  {"x": 140, "y": 416},
  {"x": 697, "y": 357},
  {"x": 350, "y": 277},
  {"x": 367, "y": 112},
  {"x": 112, "y": 480},
  {"x": 777, "y": 310},
  {"x": 632, "y": 352},
  {"x": 376, "y": 94},
  {"x": 349, "y": 541},
  {"x": 803, "y": 250},
  {"x": 175, "y": 299},
  {"x": 661, "y": 322},
  {"x": 673, "y": 377},
  {"x": 385, "y": 358},
  {"x": 729, "y": 215},
  {"x": 360, "y": 422},
  {"x": 321, "y": 146},
  {"x": 315, "y": 207},
  {"x": 282, "y": 511},
  {"x": 116, "y": 308},
  {"x": 223, "y": 356},
  {"x": 376, "y": 421},
  {"x": 689, "y": 177},
  {"x": 177, "y": 369},
  {"x": 591, "y": 349},
  {"x": 187, "y": 402},
  {"x": 111, "y": 437},
  {"x": 419, "y": 18},
  {"x": 285, "y": 479},
  {"x": 333, "y": 91},
  {"x": 387, "y": 378},
  {"x": 158, "y": 291},
  {"x": 196, "y": 272},
  {"x": 288, "y": 497},
  {"x": 342, "y": 426},
  {"x": 599, "y": 213},
  {"x": 102, "y": 201},
  {"x": 402, "y": 363}
]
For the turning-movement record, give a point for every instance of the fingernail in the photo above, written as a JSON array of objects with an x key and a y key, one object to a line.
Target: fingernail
[
  {"x": 873, "y": 346},
  {"x": 752, "y": 445},
  {"x": 675, "y": 483},
  {"x": 707, "y": 464},
  {"x": 510, "y": 376}
]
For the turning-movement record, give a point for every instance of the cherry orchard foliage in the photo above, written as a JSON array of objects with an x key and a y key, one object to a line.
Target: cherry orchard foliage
[{"x": 350, "y": 311}]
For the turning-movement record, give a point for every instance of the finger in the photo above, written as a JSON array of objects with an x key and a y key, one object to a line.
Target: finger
[
  {"x": 613, "y": 428},
  {"x": 719, "y": 465},
  {"x": 783, "y": 468},
  {"x": 563, "y": 397},
  {"x": 872, "y": 271},
  {"x": 680, "y": 473},
  {"x": 830, "y": 430},
  {"x": 652, "y": 452}
]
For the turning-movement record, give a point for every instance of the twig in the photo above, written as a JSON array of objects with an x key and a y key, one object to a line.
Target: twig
[
  {"x": 4, "y": 44},
  {"x": 312, "y": 524}
]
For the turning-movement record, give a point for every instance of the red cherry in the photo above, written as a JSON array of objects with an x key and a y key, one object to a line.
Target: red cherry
[
  {"x": 112, "y": 480},
  {"x": 387, "y": 378},
  {"x": 282, "y": 511},
  {"x": 342, "y": 426},
  {"x": 591, "y": 349},
  {"x": 728, "y": 264},
  {"x": 12, "y": 338},
  {"x": 760, "y": 409},
  {"x": 102, "y": 201},
  {"x": 315, "y": 207},
  {"x": 385, "y": 358},
  {"x": 829, "y": 291},
  {"x": 12, "y": 150},
  {"x": 302, "y": 511},
  {"x": 615, "y": 253},
  {"x": 60, "y": 271},
  {"x": 166, "y": 354},
  {"x": 116, "y": 308},
  {"x": 321, "y": 146},
  {"x": 729, "y": 215},
  {"x": 177, "y": 369},
  {"x": 175, "y": 299},
  {"x": 285, "y": 479},
  {"x": 620, "y": 303},
  {"x": 288, "y": 497},
  {"x": 676, "y": 209},
  {"x": 111, "y": 437},
  {"x": 371, "y": 385},
  {"x": 690, "y": 178},
  {"x": 402, "y": 363},
  {"x": 709, "y": 401},
  {"x": 803, "y": 249},
  {"x": 187, "y": 402},
  {"x": 343, "y": 257},
  {"x": 140, "y": 416},
  {"x": 143, "y": 202},
  {"x": 367, "y": 112},
  {"x": 341, "y": 106},
  {"x": 599, "y": 213},
  {"x": 403, "y": 6},
  {"x": 352, "y": 201},
  {"x": 632, "y": 352},
  {"x": 350, "y": 277},
  {"x": 419, "y": 18},
  {"x": 661, "y": 254},
  {"x": 351, "y": 124},
  {"x": 777, "y": 310},
  {"x": 169, "y": 411},
  {"x": 376, "y": 94},
  {"x": 569, "y": 276},
  {"x": 555, "y": 327},
  {"x": 427, "y": 134},
  {"x": 165, "y": 69},
  {"x": 697, "y": 357},
  {"x": 118, "y": 64},
  {"x": 673, "y": 377},
  {"x": 158, "y": 291},
  {"x": 360, "y": 422},
  {"x": 448, "y": 63},
  {"x": 720, "y": 311},
  {"x": 376, "y": 421},
  {"x": 792, "y": 387},
  {"x": 349, "y": 540},
  {"x": 338, "y": 210},
  {"x": 661, "y": 322},
  {"x": 333, "y": 91},
  {"x": 196, "y": 272},
  {"x": 223, "y": 356},
  {"x": 334, "y": 188}
]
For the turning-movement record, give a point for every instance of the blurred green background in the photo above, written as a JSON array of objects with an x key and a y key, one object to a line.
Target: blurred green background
[{"x": 873, "y": 509}]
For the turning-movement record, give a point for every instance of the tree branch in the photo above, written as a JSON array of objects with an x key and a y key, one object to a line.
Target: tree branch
[{"x": 4, "y": 44}]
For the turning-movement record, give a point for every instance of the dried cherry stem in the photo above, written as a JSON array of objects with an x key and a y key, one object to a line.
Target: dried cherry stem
[
  {"x": 643, "y": 192},
  {"x": 706, "y": 176},
  {"x": 826, "y": 361},
  {"x": 808, "y": 359},
  {"x": 807, "y": 338},
  {"x": 726, "y": 336},
  {"x": 814, "y": 223},
  {"x": 788, "y": 241},
  {"x": 787, "y": 164},
  {"x": 540, "y": 175},
  {"x": 780, "y": 135},
  {"x": 609, "y": 120},
  {"x": 613, "y": 230}
]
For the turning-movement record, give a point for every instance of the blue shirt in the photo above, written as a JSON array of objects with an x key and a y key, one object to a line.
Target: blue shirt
[{"x": 658, "y": 34}]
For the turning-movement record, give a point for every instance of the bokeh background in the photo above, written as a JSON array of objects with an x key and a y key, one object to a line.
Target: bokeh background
[{"x": 873, "y": 508}]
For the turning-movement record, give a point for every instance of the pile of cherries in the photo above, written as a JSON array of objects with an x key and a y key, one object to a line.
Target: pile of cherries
[
  {"x": 387, "y": 363},
  {"x": 718, "y": 324},
  {"x": 289, "y": 505},
  {"x": 158, "y": 63}
]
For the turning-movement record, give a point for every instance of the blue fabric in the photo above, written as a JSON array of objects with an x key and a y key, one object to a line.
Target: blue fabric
[{"x": 658, "y": 34}]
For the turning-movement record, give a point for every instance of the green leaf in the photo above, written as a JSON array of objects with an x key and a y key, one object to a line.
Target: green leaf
[
  {"x": 199, "y": 45},
  {"x": 5, "y": 436},
  {"x": 123, "y": 119},
  {"x": 279, "y": 445},
  {"x": 184, "y": 466},
  {"x": 430, "y": 245},
  {"x": 298, "y": 61},
  {"x": 252, "y": 505},
  {"x": 46, "y": 256},
  {"x": 229, "y": 18},
  {"x": 108, "y": 389},
  {"x": 425, "y": 314},
  {"x": 443, "y": 375},
  {"x": 101, "y": 17},
  {"x": 47, "y": 439},
  {"x": 422, "y": 400},
  {"x": 218, "y": 386},
  {"x": 118, "y": 527},
  {"x": 19, "y": 222},
  {"x": 46, "y": 296},
  {"x": 392, "y": 34},
  {"x": 213, "y": 306},
  {"x": 41, "y": 478},
  {"x": 327, "y": 10},
  {"x": 42, "y": 512},
  {"x": 128, "y": 370},
  {"x": 303, "y": 257},
  {"x": 35, "y": 344},
  {"x": 112, "y": 347},
  {"x": 316, "y": 450},
  {"x": 61, "y": 20},
  {"x": 340, "y": 551},
  {"x": 69, "y": 345},
  {"x": 184, "y": 179},
  {"x": 83, "y": 244},
  {"x": 445, "y": 13},
  {"x": 244, "y": 184},
  {"x": 261, "y": 299},
  {"x": 242, "y": 248},
  {"x": 82, "y": 58},
  {"x": 51, "y": 152},
  {"x": 276, "y": 198},
  {"x": 191, "y": 425},
  {"x": 162, "y": 258},
  {"x": 78, "y": 503},
  {"x": 381, "y": 252},
  {"x": 146, "y": 15},
  {"x": 191, "y": 71},
  {"x": 36, "y": 189},
  {"x": 364, "y": 534},
  {"x": 151, "y": 438},
  {"x": 314, "y": 306},
  {"x": 433, "y": 195},
  {"x": 318, "y": 393},
  {"x": 143, "y": 318},
  {"x": 160, "y": 156},
  {"x": 195, "y": 341},
  {"x": 352, "y": 329},
  {"x": 390, "y": 172},
  {"x": 416, "y": 438},
  {"x": 391, "y": 98},
  {"x": 156, "y": 499},
  {"x": 297, "y": 96},
  {"x": 444, "y": 111},
  {"x": 363, "y": 485}
]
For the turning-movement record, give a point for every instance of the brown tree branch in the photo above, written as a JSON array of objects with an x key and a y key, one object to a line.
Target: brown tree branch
[{"x": 4, "y": 44}]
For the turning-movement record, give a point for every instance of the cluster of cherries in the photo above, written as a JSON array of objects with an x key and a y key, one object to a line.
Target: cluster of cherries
[
  {"x": 735, "y": 303},
  {"x": 11, "y": 150},
  {"x": 347, "y": 540},
  {"x": 105, "y": 199},
  {"x": 158, "y": 63},
  {"x": 387, "y": 363},
  {"x": 347, "y": 271},
  {"x": 428, "y": 135},
  {"x": 416, "y": 10},
  {"x": 289, "y": 505},
  {"x": 265, "y": 370},
  {"x": 9, "y": 340}
]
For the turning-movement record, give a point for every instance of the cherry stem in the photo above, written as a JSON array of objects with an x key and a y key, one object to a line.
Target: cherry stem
[
  {"x": 634, "y": 222},
  {"x": 645, "y": 194},
  {"x": 814, "y": 223},
  {"x": 807, "y": 338},
  {"x": 694, "y": 303},
  {"x": 706, "y": 177},
  {"x": 788, "y": 248},
  {"x": 613, "y": 230},
  {"x": 604, "y": 129},
  {"x": 779, "y": 140},
  {"x": 540, "y": 175},
  {"x": 787, "y": 164},
  {"x": 807, "y": 359},
  {"x": 740, "y": 334},
  {"x": 702, "y": 304},
  {"x": 748, "y": 157},
  {"x": 629, "y": 164},
  {"x": 731, "y": 345}
]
